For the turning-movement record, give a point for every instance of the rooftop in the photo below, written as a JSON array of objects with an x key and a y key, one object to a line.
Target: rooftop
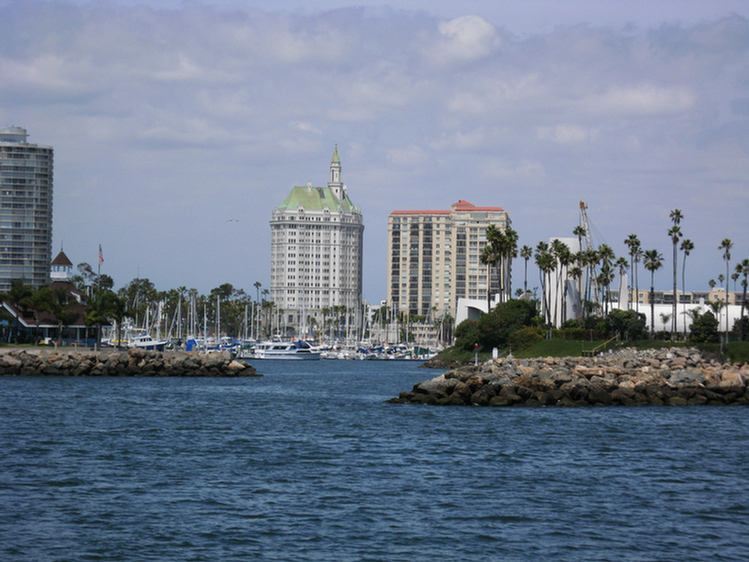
[{"x": 316, "y": 199}]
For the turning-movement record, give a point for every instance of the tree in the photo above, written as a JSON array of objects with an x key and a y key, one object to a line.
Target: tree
[
  {"x": 704, "y": 328},
  {"x": 496, "y": 327},
  {"x": 622, "y": 264},
  {"x": 62, "y": 307},
  {"x": 526, "y": 252},
  {"x": 546, "y": 264},
  {"x": 42, "y": 300},
  {"x": 118, "y": 310},
  {"x": 675, "y": 233},
  {"x": 665, "y": 317},
  {"x": 686, "y": 247},
  {"x": 500, "y": 249},
  {"x": 653, "y": 262},
  {"x": 726, "y": 246},
  {"x": 607, "y": 257},
  {"x": 98, "y": 311},
  {"x": 562, "y": 257},
  {"x": 635, "y": 253},
  {"x": 604, "y": 279},
  {"x": 509, "y": 252},
  {"x": 491, "y": 256},
  {"x": 627, "y": 323},
  {"x": 742, "y": 268},
  {"x": 467, "y": 334},
  {"x": 19, "y": 296}
]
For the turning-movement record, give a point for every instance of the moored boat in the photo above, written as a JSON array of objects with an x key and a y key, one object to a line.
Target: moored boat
[
  {"x": 145, "y": 341},
  {"x": 297, "y": 350}
]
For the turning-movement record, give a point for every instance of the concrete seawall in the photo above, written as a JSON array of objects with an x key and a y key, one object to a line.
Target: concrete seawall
[
  {"x": 116, "y": 363},
  {"x": 677, "y": 376}
]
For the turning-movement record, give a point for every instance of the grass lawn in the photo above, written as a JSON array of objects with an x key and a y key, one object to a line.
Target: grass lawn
[{"x": 735, "y": 352}]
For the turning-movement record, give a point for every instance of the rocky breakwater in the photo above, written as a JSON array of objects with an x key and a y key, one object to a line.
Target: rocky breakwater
[
  {"x": 133, "y": 362},
  {"x": 677, "y": 376}
]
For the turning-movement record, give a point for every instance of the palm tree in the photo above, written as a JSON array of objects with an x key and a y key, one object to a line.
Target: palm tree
[
  {"x": 653, "y": 262},
  {"x": 591, "y": 260},
  {"x": 742, "y": 268},
  {"x": 622, "y": 264},
  {"x": 686, "y": 246},
  {"x": 726, "y": 246},
  {"x": 118, "y": 310},
  {"x": 665, "y": 317},
  {"x": 546, "y": 264},
  {"x": 560, "y": 251},
  {"x": 526, "y": 252},
  {"x": 565, "y": 258},
  {"x": 41, "y": 301},
  {"x": 607, "y": 257},
  {"x": 98, "y": 311},
  {"x": 604, "y": 279},
  {"x": 509, "y": 252},
  {"x": 62, "y": 308},
  {"x": 635, "y": 254},
  {"x": 675, "y": 233},
  {"x": 491, "y": 255},
  {"x": 576, "y": 273}
]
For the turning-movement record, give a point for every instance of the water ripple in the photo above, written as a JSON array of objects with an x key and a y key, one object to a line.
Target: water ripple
[{"x": 313, "y": 465}]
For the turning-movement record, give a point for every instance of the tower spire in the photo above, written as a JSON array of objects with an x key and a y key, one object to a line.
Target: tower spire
[{"x": 335, "y": 183}]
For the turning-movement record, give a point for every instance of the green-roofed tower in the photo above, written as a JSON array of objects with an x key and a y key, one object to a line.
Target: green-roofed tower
[{"x": 316, "y": 255}]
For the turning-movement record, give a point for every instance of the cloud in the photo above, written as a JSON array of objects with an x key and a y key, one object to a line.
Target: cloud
[
  {"x": 567, "y": 134},
  {"x": 179, "y": 117},
  {"x": 463, "y": 39},
  {"x": 645, "y": 100}
]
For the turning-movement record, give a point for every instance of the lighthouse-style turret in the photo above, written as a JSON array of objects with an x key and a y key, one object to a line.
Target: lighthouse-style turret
[{"x": 335, "y": 183}]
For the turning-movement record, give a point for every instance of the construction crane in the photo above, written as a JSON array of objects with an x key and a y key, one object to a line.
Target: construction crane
[
  {"x": 584, "y": 224},
  {"x": 593, "y": 275}
]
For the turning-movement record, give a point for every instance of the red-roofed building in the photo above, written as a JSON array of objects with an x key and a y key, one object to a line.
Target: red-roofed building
[
  {"x": 434, "y": 258},
  {"x": 44, "y": 325}
]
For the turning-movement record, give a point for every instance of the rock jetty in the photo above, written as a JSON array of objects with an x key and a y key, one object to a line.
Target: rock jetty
[
  {"x": 676, "y": 376},
  {"x": 132, "y": 362}
]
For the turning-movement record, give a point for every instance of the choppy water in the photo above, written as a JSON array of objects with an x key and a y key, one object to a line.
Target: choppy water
[{"x": 309, "y": 463}]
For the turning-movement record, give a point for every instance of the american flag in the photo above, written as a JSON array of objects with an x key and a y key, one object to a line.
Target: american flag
[{"x": 101, "y": 256}]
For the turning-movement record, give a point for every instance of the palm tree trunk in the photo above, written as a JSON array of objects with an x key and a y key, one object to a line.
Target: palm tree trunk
[
  {"x": 674, "y": 308},
  {"x": 652, "y": 305}
]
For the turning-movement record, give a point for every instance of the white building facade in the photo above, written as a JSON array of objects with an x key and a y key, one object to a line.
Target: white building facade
[
  {"x": 317, "y": 237},
  {"x": 25, "y": 209}
]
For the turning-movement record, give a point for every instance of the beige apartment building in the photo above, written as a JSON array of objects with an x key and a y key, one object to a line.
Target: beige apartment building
[{"x": 434, "y": 258}]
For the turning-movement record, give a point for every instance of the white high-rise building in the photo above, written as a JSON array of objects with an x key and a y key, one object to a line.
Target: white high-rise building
[
  {"x": 317, "y": 238},
  {"x": 25, "y": 209}
]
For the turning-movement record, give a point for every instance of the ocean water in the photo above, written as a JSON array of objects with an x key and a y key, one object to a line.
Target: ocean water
[{"x": 310, "y": 463}]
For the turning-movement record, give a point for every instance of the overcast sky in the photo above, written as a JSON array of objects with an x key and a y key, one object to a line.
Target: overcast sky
[{"x": 170, "y": 117}]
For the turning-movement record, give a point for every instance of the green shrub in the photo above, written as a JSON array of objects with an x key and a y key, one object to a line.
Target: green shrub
[
  {"x": 495, "y": 328},
  {"x": 467, "y": 335},
  {"x": 525, "y": 338},
  {"x": 704, "y": 328}
]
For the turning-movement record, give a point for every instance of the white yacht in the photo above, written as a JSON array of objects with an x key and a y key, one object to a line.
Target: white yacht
[{"x": 299, "y": 350}]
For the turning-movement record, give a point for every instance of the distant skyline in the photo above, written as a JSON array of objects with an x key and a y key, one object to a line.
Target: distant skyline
[{"x": 179, "y": 125}]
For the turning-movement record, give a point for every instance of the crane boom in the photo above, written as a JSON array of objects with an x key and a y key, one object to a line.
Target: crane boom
[{"x": 584, "y": 221}]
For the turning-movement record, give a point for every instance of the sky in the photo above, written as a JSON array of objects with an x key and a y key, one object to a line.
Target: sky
[{"x": 168, "y": 118}]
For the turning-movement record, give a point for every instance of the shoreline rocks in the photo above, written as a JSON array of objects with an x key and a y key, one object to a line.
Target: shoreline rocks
[
  {"x": 676, "y": 376},
  {"x": 119, "y": 363}
]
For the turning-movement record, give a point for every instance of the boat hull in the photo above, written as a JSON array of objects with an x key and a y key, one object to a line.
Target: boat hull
[{"x": 289, "y": 357}]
